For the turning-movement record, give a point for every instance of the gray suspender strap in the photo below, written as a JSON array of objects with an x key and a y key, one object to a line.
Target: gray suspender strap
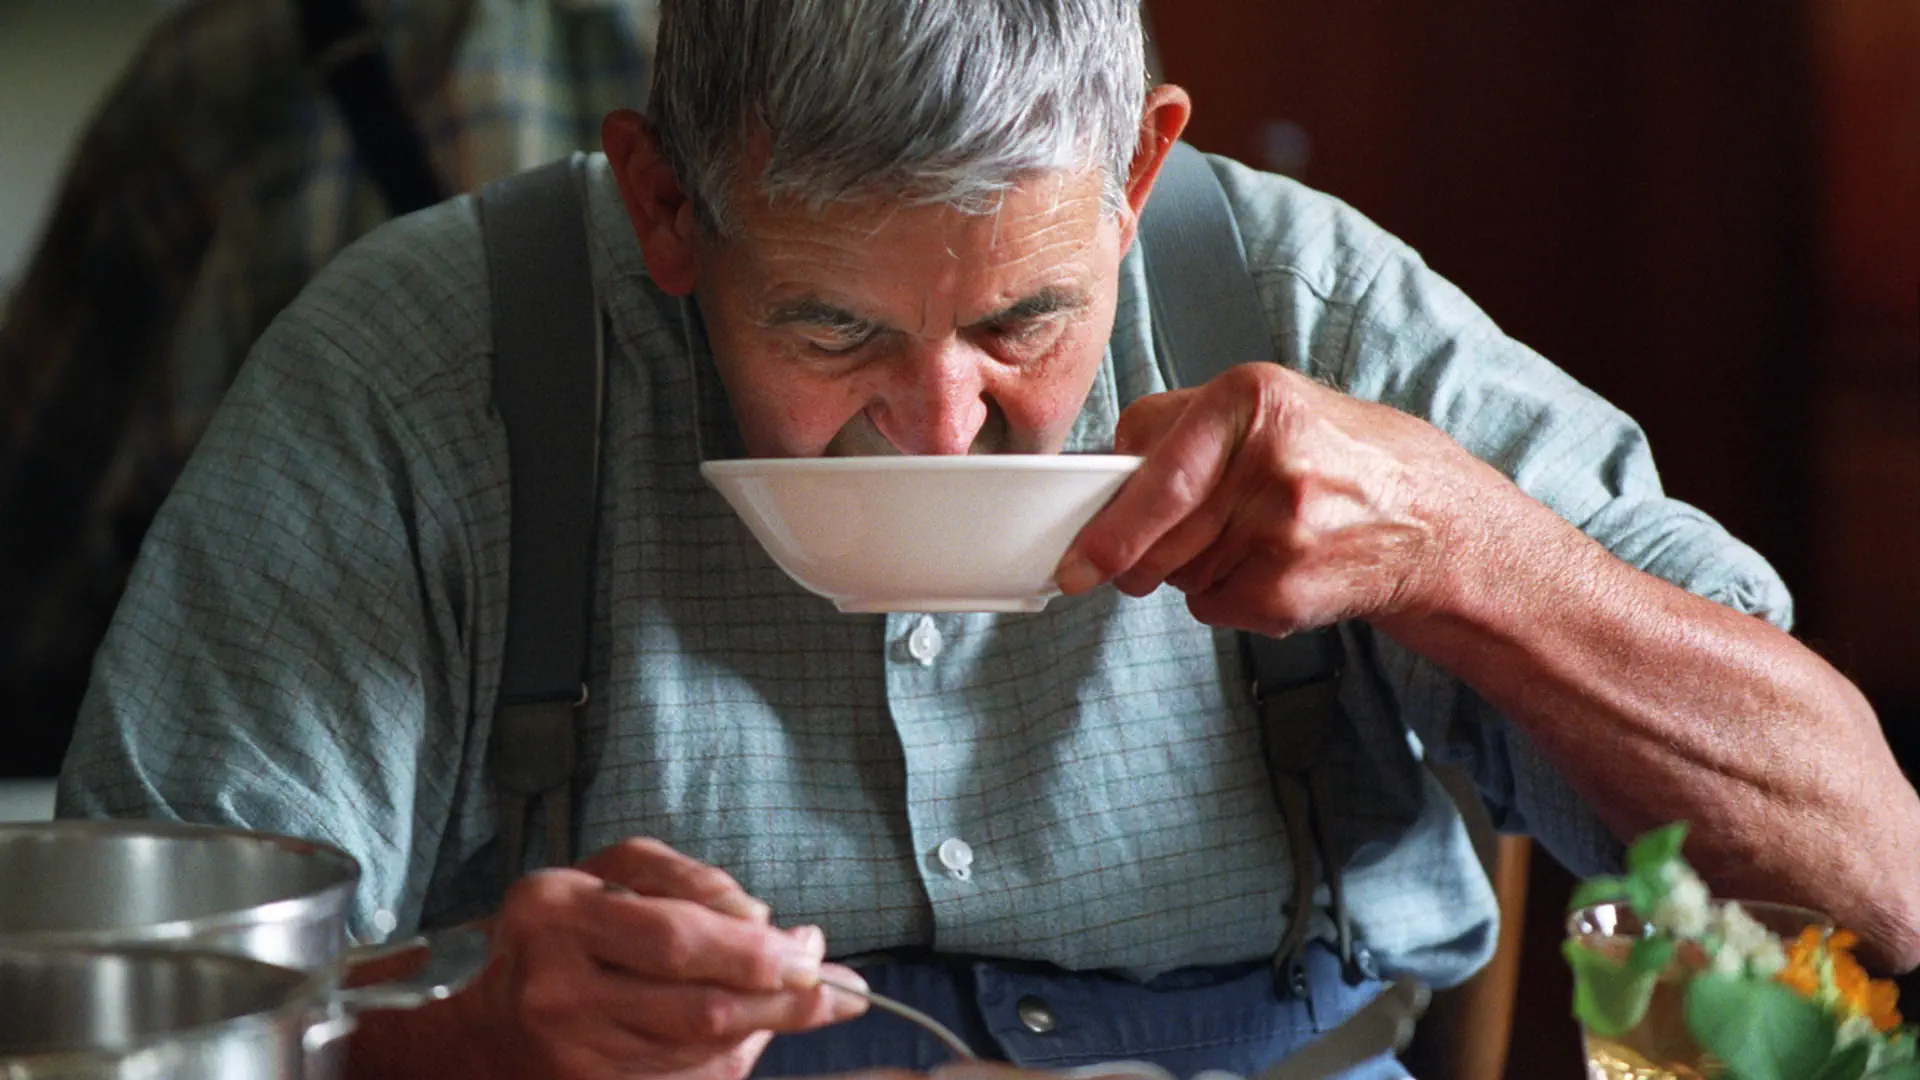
[
  {"x": 548, "y": 373},
  {"x": 1206, "y": 318}
]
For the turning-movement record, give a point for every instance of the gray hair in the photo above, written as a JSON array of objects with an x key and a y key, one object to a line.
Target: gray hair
[{"x": 935, "y": 101}]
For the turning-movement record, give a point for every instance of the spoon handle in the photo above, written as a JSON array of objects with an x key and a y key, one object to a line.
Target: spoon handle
[{"x": 932, "y": 1026}]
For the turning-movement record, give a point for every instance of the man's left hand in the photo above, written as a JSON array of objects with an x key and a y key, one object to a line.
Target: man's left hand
[{"x": 1278, "y": 504}]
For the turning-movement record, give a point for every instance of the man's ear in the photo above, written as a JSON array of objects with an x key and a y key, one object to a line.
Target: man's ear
[
  {"x": 661, "y": 212},
  {"x": 1162, "y": 120}
]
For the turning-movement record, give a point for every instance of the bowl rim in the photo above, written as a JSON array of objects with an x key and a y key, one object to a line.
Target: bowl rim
[{"x": 1099, "y": 463}]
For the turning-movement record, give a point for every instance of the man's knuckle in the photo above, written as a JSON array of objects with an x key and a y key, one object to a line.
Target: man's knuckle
[
  {"x": 546, "y": 997},
  {"x": 1267, "y": 390},
  {"x": 672, "y": 943},
  {"x": 1107, "y": 555},
  {"x": 1250, "y": 378},
  {"x": 763, "y": 968},
  {"x": 532, "y": 901},
  {"x": 716, "y": 1015},
  {"x": 1187, "y": 483}
]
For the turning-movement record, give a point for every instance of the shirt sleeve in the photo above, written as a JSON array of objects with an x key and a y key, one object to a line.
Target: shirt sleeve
[
  {"x": 1358, "y": 309},
  {"x": 293, "y": 654}
]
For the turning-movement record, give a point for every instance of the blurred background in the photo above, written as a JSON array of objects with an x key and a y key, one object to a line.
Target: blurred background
[
  {"x": 56, "y": 60},
  {"x": 1707, "y": 211}
]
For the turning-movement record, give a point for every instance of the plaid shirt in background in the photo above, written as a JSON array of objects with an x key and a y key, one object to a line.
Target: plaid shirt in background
[{"x": 216, "y": 179}]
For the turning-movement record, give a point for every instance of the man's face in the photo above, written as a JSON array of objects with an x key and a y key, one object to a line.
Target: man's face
[{"x": 915, "y": 330}]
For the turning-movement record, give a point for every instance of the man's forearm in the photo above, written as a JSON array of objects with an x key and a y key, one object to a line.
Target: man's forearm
[{"x": 1659, "y": 705}]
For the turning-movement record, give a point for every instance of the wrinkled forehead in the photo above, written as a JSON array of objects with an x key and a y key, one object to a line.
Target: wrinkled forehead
[
  {"x": 757, "y": 185},
  {"x": 1040, "y": 209},
  {"x": 1047, "y": 247}
]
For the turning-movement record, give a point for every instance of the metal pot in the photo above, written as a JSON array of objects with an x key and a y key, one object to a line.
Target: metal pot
[
  {"x": 80, "y": 887},
  {"x": 151, "y": 1012},
  {"x": 273, "y": 898}
]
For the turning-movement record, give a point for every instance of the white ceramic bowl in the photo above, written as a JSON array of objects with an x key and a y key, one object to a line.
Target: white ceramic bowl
[{"x": 964, "y": 533}]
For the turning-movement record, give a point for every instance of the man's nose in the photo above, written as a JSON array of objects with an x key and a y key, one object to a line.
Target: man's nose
[{"x": 935, "y": 402}]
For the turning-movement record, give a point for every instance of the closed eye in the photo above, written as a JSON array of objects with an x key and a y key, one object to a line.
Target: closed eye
[
  {"x": 1022, "y": 331},
  {"x": 840, "y": 344},
  {"x": 826, "y": 328}
]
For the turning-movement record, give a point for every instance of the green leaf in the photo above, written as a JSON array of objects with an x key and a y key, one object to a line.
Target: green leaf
[
  {"x": 1762, "y": 1030},
  {"x": 1848, "y": 1063},
  {"x": 1897, "y": 1050},
  {"x": 1609, "y": 997},
  {"x": 1656, "y": 849},
  {"x": 1645, "y": 891},
  {"x": 1650, "y": 955},
  {"x": 1598, "y": 890},
  {"x": 1905, "y": 1070}
]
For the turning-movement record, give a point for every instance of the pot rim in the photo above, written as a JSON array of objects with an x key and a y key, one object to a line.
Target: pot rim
[
  {"x": 195, "y": 926},
  {"x": 304, "y": 1005}
]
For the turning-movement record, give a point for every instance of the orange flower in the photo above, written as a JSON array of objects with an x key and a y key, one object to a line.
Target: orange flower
[
  {"x": 1878, "y": 1001},
  {"x": 1802, "y": 973}
]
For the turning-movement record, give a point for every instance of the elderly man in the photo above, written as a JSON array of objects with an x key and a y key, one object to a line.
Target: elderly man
[{"x": 901, "y": 226}]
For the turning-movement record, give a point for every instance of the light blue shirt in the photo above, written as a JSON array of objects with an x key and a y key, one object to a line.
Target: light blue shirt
[{"x": 311, "y": 640}]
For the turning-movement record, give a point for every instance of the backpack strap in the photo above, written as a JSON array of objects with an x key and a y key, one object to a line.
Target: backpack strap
[
  {"x": 1207, "y": 318},
  {"x": 549, "y": 368}
]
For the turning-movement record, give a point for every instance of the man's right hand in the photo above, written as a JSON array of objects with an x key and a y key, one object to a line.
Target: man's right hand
[{"x": 640, "y": 962}]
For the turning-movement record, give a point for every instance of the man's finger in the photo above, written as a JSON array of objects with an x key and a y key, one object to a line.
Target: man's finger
[
  {"x": 1179, "y": 474},
  {"x": 1173, "y": 559},
  {"x": 1142, "y": 423},
  {"x": 701, "y": 1014},
  {"x": 652, "y": 868},
  {"x": 682, "y": 940}
]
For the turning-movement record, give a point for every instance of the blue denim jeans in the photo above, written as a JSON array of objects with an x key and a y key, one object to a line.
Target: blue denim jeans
[{"x": 1185, "y": 1021}]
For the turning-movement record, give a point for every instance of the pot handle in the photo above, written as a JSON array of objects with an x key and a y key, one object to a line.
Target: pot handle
[
  {"x": 455, "y": 956},
  {"x": 329, "y": 1026}
]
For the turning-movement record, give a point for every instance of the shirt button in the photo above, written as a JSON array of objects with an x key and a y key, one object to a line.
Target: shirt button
[
  {"x": 1035, "y": 1015},
  {"x": 924, "y": 643},
  {"x": 957, "y": 856}
]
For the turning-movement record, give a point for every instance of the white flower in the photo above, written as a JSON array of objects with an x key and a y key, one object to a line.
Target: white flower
[
  {"x": 1746, "y": 947},
  {"x": 1768, "y": 960},
  {"x": 1687, "y": 907},
  {"x": 1728, "y": 963}
]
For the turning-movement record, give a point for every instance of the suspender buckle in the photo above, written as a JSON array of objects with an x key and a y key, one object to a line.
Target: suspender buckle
[
  {"x": 1296, "y": 690},
  {"x": 532, "y": 753},
  {"x": 1290, "y": 981},
  {"x": 532, "y": 748}
]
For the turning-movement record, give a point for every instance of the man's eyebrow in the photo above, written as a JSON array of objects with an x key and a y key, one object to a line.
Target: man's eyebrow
[
  {"x": 813, "y": 311},
  {"x": 1051, "y": 300}
]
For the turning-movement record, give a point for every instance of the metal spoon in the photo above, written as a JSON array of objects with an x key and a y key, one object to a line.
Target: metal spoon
[
  {"x": 908, "y": 1012},
  {"x": 1384, "y": 1025}
]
